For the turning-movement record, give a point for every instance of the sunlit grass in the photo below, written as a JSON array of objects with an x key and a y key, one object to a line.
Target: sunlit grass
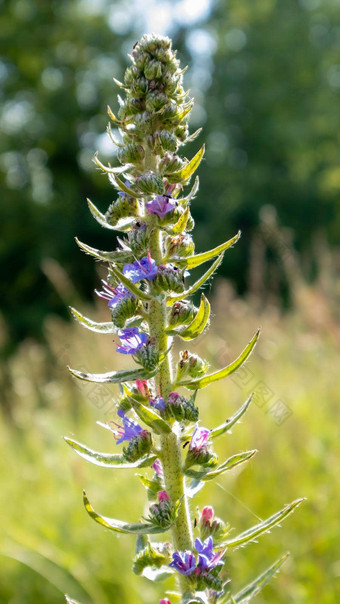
[{"x": 49, "y": 545}]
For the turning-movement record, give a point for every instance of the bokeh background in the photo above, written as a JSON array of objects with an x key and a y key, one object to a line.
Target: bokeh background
[{"x": 266, "y": 81}]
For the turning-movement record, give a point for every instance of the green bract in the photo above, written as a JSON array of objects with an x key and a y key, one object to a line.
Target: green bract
[{"x": 147, "y": 295}]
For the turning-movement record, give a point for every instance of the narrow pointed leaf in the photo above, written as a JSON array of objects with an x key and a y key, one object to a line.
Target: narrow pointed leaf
[
  {"x": 182, "y": 114},
  {"x": 185, "y": 200},
  {"x": 120, "y": 84},
  {"x": 123, "y": 187},
  {"x": 93, "y": 325},
  {"x": 229, "y": 423},
  {"x": 157, "y": 574},
  {"x": 192, "y": 136},
  {"x": 181, "y": 223},
  {"x": 231, "y": 463},
  {"x": 108, "y": 460},
  {"x": 129, "y": 285},
  {"x": 188, "y": 170},
  {"x": 198, "y": 259},
  {"x": 121, "y": 224},
  {"x": 114, "y": 377},
  {"x": 113, "y": 117},
  {"x": 193, "y": 288},
  {"x": 263, "y": 527},
  {"x": 114, "y": 256},
  {"x": 199, "y": 323},
  {"x": 225, "y": 372},
  {"x": 119, "y": 526},
  {"x": 151, "y": 418},
  {"x": 248, "y": 593},
  {"x": 109, "y": 169}
]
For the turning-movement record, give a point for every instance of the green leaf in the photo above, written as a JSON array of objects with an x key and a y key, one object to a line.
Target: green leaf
[
  {"x": 122, "y": 187},
  {"x": 70, "y": 600},
  {"x": 185, "y": 200},
  {"x": 151, "y": 418},
  {"x": 129, "y": 285},
  {"x": 157, "y": 574},
  {"x": 108, "y": 460},
  {"x": 93, "y": 325},
  {"x": 197, "y": 326},
  {"x": 192, "y": 136},
  {"x": 193, "y": 288},
  {"x": 248, "y": 593},
  {"x": 222, "y": 373},
  {"x": 231, "y": 463},
  {"x": 181, "y": 223},
  {"x": 229, "y": 423},
  {"x": 198, "y": 259},
  {"x": 114, "y": 377},
  {"x": 113, "y": 256},
  {"x": 188, "y": 170},
  {"x": 182, "y": 114},
  {"x": 119, "y": 526},
  {"x": 263, "y": 527},
  {"x": 109, "y": 169}
]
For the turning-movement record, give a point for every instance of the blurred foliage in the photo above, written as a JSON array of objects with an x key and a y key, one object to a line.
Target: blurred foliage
[
  {"x": 48, "y": 543},
  {"x": 266, "y": 81}
]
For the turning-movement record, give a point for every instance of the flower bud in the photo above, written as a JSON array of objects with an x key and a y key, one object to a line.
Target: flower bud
[
  {"x": 180, "y": 408},
  {"x": 149, "y": 182},
  {"x": 180, "y": 245},
  {"x": 210, "y": 525},
  {"x": 153, "y": 70},
  {"x": 155, "y": 101},
  {"x": 168, "y": 279},
  {"x": 124, "y": 310},
  {"x": 123, "y": 207},
  {"x": 148, "y": 355},
  {"x": 161, "y": 513},
  {"x": 131, "y": 154},
  {"x": 190, "y": 365},
  {"x": 181, "y": 313},
  {"x": 138, "y": 446},
  {"x": 138, "y": 238},
  {"x": 140, "y": 87},
  {"x": 171, "y": 163}
]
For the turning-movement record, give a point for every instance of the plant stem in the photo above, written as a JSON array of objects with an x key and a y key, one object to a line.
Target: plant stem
[{"x": 170, "y": 443}]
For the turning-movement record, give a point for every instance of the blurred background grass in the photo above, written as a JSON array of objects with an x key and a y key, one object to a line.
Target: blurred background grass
[{"x": 266, "y": 80}]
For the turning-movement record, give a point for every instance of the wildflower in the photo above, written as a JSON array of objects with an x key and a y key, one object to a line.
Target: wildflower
[
  {"x": 184, "y": 562},
  {"x": 132, "y": 340},
  {"x": 164, "y": 601},
  {"x": 146, "y": 268},
  {"x": 163, "y": 496},
  {"x": 113, "y": 294},
  {"x": 157, "y": 403},
  {"x": 128, "y": 431},
  {"x": 199, "y": 439},
  {"x": 161, "y": 205},
  {"x": 157, "y": 466},
  {"x": 207, "y": 558}
]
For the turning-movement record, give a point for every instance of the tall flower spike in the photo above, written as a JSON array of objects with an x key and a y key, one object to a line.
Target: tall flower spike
[{"x": 149, "y": 307}]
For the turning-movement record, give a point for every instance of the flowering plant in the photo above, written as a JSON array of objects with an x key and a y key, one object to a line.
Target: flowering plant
[{"x": 147, "y": 297}]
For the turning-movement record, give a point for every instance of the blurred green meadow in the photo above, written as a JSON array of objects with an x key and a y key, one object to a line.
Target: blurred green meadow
[{"x": 50, "y": 546}]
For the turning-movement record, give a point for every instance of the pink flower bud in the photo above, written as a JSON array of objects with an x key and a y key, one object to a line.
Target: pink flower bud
[
  {"x": 164, "y": 601},
  {"x": 163, "y": 496},
  {"x": 207, "y": 514}
]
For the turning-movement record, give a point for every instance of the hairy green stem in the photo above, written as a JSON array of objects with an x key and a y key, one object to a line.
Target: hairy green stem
[{"x": 170, "y": 443}]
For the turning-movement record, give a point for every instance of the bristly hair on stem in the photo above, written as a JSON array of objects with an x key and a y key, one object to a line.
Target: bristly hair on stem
[{"x": 148, "y": 305}]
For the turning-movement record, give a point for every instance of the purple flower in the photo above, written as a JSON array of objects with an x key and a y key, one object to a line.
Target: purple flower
[
  {"x": 207, "y": 558},
  {"x": 132, "y": 340},
  {"x": 184, "y": 562},
  {"x": 199, "y": 439},
  {"x": 128, "y": 431},
  {"x": 161, "y": 205},
  {"x": 146, "y": 268},
  {"x": 157, "y": 466},
  {"x": 113, "y": 294},
  {"x": 157, "y": 403}
]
